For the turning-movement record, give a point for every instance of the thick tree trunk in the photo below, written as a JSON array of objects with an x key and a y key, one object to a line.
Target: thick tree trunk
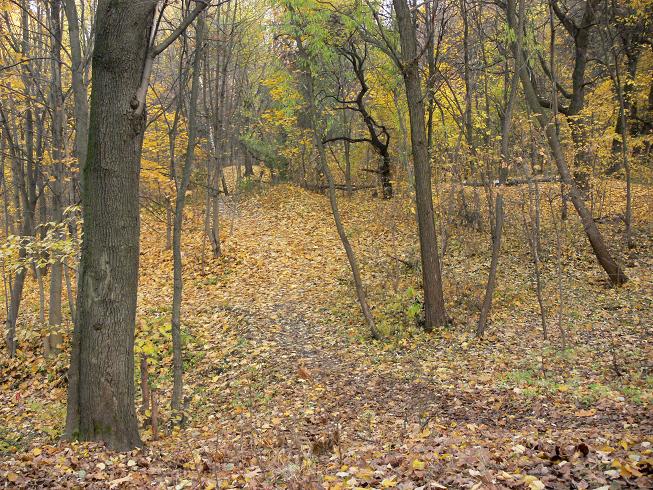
[
  {"x": 101, "y": 376},
  {"x": 433, "y": 298}
]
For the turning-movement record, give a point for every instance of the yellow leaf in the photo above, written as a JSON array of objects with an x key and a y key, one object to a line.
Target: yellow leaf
[
  {"x": 536, "y": 485},
  {"x": 389, "y": 482},
  {"x": 37, "y": 451},
  {"x": 533, "y": 483},
  {"x": 418, "y": 465}
]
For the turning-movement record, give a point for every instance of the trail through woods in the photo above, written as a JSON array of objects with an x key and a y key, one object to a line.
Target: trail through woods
[{"x": 285, "y": 390}]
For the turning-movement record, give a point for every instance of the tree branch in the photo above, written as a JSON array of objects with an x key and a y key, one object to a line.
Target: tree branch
[
  {"x": 346, "y": 138},
  {"x": 159, "y": 48},
  {"x": 138, "y": 100}
]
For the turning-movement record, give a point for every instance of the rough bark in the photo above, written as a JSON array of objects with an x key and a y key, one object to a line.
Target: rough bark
[
  {"x": 101, "y": 376},
  {"x": 431, "y": 275}
]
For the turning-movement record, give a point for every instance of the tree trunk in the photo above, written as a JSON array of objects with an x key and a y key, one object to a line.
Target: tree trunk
[
  {"x": 347, "y": 123},
  {"x": 624, "y": 148},
  {"x": 177, "y": 348},
  {"x": 25, "y": 181},
  {"x": 309, "y": 99},
  {"x": 78, "y": 85},
  {"x": 145, "y": 385},
  {"x": 347, "y": 148},
  {"x": 491, "y": 281},
  {"x": 580, "y": 32},
  {"x": 433, "y": 298},
  {"x": 14, "y": 306},
  {"x": 249, "y": 168},
  {"x": 215, "y": 215},
  {"x": 503, "y": 173},
  {"x": 614, "y": 271},
  {"x": 101, "y": 376},
  {"x": 467, "y": 115},
  {"x": 55, "y": 338},
  {"x": 385, "y": 174}
]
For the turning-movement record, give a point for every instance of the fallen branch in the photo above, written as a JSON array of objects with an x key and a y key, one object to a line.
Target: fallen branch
[
  {"x": 407, "y": 263},
  {"x": 509, "y": 182},
  {"x": 339, "y": 187}
]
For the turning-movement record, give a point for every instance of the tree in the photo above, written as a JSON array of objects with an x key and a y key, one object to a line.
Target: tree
[
  {"x": 182, "y": 187},
  {"x": 378, "y": 135},
  {"x": 603, "y": 255},
  {"x": 305, "y": 61},
  {"x": 79, "y": 87},
  {"x": 55, "y": 337},
  {"x": 431, "y": 275},
  {"x": 26, "y": 171},
  {"x": 101, "y": 374}
]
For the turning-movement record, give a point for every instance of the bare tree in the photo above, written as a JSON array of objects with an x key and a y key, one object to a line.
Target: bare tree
[{"x": 182, "y": 187}]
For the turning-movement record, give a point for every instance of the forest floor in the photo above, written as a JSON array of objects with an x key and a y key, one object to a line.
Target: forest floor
[{"x": 285, "y": 388}]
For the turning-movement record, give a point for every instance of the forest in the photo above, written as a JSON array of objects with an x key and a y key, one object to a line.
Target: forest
[{"x": 326, "y": 244}]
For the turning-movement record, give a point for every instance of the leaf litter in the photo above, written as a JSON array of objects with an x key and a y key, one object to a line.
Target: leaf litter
[{"x": 285, "y": 390}]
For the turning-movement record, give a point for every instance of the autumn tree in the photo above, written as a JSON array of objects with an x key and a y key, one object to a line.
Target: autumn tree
[
  {"x": 101, "y": 375},
  {"x": 435, "y": 314}
]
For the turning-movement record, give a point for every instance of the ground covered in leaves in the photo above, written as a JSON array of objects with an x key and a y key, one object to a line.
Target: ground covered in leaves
[{"x": 285, "y": 389}]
